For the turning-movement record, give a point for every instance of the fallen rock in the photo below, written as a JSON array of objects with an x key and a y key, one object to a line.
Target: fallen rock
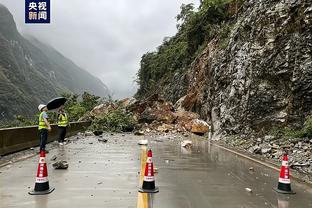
[
  {"x": 248, "y": 190},
  {"x": 127, "y": 102},
  {"x": 53, "y": 158},
  {"x": 269, "y": 138},
  {"x": 97, "y": 133},
  {"x": 187, "y": 144},
  {"x": 102, "y": 140},
  {"x": 103, "y": 109},
  {"x": 143, "y": 142},
  {"x": 199, "y": 127},
  {"x": 88, "y": 133},
  {"x": 185, "y": 118},
  {"x": 266, "y": 149},
  {"x": 297, "y": 164},
  {"x": 165, "y": 128},
  {"x": 255, "y": 149},
  {"x": 60, "y": 165},
  {"x": 139, "y": 133},
  {"x": 161, "y": 115}
]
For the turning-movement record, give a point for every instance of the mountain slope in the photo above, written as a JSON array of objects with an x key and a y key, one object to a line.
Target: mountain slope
[
  {"x": 33, "y": 73},
  {"x": 250, "y": 69}
]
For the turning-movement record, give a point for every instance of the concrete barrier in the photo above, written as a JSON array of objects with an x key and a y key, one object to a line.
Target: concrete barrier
[{"x": 19, "y": 138}]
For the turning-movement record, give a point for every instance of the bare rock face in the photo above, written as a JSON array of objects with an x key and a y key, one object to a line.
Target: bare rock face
[{"x": 262, "y": 77}]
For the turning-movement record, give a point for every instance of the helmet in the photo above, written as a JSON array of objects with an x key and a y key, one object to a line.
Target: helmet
[{"x": 41, "y": 106}]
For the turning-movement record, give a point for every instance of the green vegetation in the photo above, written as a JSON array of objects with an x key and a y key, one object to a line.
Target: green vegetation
[
  {"x": 115, "y": 121},
  {"x": 195, "y": 30},
  {"x": 76, "y": 106},
  {"x": 306, "y": 131}
]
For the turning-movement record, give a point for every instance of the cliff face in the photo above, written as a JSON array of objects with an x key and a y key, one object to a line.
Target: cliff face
[
  {"x": 256, "y": 78},
  {"x": 32, "y": 72}
]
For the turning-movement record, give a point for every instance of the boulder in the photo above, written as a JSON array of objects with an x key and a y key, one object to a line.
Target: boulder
[
  {"x": 139, "y": 133},
  {"x": 60, "y": 165},
  {"x": 199, "y": 126},
  {"x": 103, "y": 140},
  {"x": 187, "y": 144},
  {"x": 103, "y": 109},
  {"x": 97, "y": 133},
  {"x": 165, "y": 128},
  {"x": 185, "y": 118},
  {"x": 88, "y": 133},
  {"x": 255, "y": 149},
  {"x": 127, "y": 102},
  {"x": 150, "y": 115}
]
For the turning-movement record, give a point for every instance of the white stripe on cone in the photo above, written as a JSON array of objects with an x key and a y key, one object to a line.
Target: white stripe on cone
[
  {"x": 284, "y": 163},
  {"x": 41, "y": 179},
  {"x": 284, "y": 180}
]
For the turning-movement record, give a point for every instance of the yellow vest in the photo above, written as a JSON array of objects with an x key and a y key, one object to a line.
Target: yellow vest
[
  {"x": 62, "y": 120},
  {"x": 42, "y": 124}
]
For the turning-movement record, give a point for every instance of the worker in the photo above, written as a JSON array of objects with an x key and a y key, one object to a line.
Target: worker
[
  {"x": 62, "y": 125},
  {"x": 44, "y": 126}
]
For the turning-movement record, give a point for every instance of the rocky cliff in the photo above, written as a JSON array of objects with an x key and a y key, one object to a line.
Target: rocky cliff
[
  {"x": 258, "y": 76},
  {"x": 32, "y": 72}
]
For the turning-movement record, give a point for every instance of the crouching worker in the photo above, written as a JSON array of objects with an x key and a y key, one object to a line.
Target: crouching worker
[
  {"x": 44, "y": 126},
  {"x": 62, "y": 125}
]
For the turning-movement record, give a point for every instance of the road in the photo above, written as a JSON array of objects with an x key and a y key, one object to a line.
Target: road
[{"x": 109, "y": 174}]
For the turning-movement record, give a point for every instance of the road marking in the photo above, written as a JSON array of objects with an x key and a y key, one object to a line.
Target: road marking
[
  {"x": 142, "y": 197},
  {"x": 247, "y": 157}
]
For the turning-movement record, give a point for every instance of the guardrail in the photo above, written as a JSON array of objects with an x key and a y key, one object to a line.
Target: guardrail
[{"x": 19, "y": 138}]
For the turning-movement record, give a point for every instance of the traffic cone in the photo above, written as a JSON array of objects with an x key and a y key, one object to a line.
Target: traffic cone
[
  {"x": 149, "y": 179},
  {"x": 42, "y": 182},
  {"x": 284, "y": 180}
]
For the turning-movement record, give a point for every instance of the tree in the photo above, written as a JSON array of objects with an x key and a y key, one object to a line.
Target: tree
[
  {"x": 89, "y": 101},
  {"x": 187, "y": 10}
]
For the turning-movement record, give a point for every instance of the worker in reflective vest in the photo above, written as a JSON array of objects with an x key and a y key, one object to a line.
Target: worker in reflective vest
[
  {"x": 43, "y": 126},
  {"x": 62, "y": 125}
]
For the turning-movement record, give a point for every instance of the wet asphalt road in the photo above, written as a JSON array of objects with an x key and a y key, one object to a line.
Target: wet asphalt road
[{"x": 109, "y": 174}]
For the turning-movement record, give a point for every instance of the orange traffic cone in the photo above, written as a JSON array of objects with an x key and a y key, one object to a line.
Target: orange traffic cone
[
  {"x": 42, "y": 182},
  {"x": 284, "y": 180},
  {"x": 149, "y": 179}
]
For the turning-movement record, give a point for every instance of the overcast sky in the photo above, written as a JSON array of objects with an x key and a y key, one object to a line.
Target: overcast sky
[{"x": 105, "y": 37}]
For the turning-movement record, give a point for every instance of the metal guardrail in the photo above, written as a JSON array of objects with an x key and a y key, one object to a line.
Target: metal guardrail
[{"x": 19, "y": 138}]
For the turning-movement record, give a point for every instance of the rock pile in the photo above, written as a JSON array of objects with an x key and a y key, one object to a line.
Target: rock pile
[
  {"x": 154, "y": 114},
  {"x": 271, "y": 147},
  {"x": 157, "y": 115}
]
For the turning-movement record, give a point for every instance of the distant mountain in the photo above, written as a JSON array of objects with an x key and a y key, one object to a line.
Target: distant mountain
[{"x": 32, "y": 72}]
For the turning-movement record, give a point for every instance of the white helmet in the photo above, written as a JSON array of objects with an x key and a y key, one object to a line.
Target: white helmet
[{"x": 41, "y": 106}]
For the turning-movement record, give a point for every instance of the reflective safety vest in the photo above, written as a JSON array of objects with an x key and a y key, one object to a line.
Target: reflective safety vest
[
  {"x": 62, "y": 120},
  {"x": 42, "y": 124}
]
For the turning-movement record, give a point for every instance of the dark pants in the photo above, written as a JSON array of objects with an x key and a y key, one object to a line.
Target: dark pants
[
  {"x": 43, "y": 138},
  {"x": 62, "y": 133}
]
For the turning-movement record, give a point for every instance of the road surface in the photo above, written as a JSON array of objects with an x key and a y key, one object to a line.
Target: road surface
[{"x": 109, "y": 174}]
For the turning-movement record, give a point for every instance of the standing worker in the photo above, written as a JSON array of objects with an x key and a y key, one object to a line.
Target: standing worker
[
  {"x": 62, "y": 125},
  {"x": 44, "y": 126}
]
